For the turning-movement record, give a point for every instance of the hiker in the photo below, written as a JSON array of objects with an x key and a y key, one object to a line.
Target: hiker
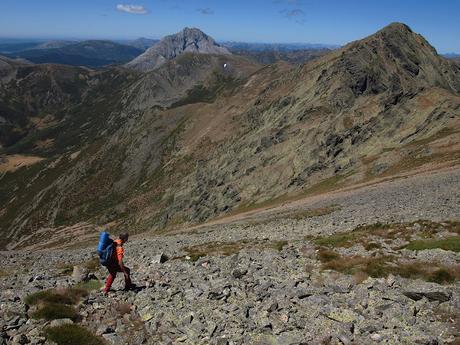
[{"x": 116, "y": 264}]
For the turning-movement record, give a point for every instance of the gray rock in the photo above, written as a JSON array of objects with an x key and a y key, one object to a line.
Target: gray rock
[
  {"x": 79, "y": 274},
  {"x": 431, "y": 296},
  {"x": 60, "y": 322},
  {"x": 113, "y": 338},
  {"x": 159, "y": 259}
]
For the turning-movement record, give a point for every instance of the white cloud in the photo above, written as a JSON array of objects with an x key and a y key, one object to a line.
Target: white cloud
[
  {"x": 205, "y": 11},
  {"x": 134, "y": 9}
]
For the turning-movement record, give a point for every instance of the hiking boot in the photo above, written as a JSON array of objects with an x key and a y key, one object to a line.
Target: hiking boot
[{"x": 129, "y": 287}]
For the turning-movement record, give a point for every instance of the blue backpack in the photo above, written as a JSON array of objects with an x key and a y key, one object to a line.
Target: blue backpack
[{"x": 105, "y": 249}]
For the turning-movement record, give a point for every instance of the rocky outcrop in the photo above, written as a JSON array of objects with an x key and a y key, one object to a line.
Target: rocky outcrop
[{"x": 189, "y": 40}]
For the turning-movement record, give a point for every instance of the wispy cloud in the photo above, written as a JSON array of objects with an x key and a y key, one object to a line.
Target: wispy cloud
[
  {"x": 296, "y": 14},
  {"x": 205, "y": 11},
  {"x": 134, "y": 9}
]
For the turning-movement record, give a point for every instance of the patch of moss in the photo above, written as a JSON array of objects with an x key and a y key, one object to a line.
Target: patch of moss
[
  {"x": 72, "y": 335},
  {"x": 451, "y": 243}
]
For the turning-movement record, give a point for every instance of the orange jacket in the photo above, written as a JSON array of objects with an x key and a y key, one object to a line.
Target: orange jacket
[{"x": 119, "y": 251}]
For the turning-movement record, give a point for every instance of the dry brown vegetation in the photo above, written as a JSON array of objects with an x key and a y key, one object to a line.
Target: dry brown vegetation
[{"x": 382, "y": 266}]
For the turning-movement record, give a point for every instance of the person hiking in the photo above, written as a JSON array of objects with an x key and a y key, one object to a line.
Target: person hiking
[{"x": 116, "y": 264}]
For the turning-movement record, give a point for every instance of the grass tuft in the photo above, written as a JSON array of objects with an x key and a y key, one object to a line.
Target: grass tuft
[
  {"x": 72, "y": 335},
  {"x": 54, "y": 311},
  {"x": 66, "y": 296},
  {"x": 56, "y": 303},
  {"x": 451, "y": 243}
]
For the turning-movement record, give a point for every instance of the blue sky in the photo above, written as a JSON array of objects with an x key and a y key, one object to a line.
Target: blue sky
[{"x": 312, "y": 21}]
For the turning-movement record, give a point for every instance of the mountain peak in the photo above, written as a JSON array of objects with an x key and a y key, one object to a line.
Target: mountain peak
[
  {"x": 396, "y": 26},
  {"x": 189, "y": 40}
]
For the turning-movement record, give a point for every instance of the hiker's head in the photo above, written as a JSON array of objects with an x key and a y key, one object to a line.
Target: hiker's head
[{"x": 124, "y": 237}]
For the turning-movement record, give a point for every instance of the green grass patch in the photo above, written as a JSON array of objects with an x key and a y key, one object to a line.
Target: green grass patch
[
  {"x": 54, "y": 311},
  {"x": 89, "y": 285},
  {"x": 451, "y": 243},
  {"x": 72, "y": 335}
]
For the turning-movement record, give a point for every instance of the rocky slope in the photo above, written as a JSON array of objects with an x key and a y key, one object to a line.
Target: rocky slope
[
  {"x": 205, "y": 135},
  {"x": 320, "y": 272},
  {"x": 189, "y": 40}
]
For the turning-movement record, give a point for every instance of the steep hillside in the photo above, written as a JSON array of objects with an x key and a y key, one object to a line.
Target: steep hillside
[
  {"x": 189, "y": 40},
  {"x": 205, "y": 135},
  {"x": 95, "y": 143},
  {"x": 271, "y": 56}
]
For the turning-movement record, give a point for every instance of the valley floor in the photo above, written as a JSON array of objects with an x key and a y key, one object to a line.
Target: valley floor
[{"x": 378, "y": 264}]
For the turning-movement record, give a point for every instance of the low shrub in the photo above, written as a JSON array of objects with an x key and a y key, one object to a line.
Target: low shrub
[
  {"x": 54, "y": 311},
  {"x": 72, "y": 335}
]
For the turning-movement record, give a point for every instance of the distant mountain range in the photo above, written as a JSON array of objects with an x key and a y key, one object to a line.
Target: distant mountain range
[
  {"x": 97, "y": 53},
  {"x": 86, "y": 53},
  {"x": 140, "y": 43}
]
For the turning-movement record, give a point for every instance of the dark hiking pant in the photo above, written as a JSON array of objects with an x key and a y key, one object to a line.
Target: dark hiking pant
[{"x": 113, "y": 270}]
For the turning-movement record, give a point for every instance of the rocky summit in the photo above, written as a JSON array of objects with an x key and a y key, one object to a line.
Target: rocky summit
[
  {"x": 189, "y": 40},
  {"x": 312, "y": 203}
]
